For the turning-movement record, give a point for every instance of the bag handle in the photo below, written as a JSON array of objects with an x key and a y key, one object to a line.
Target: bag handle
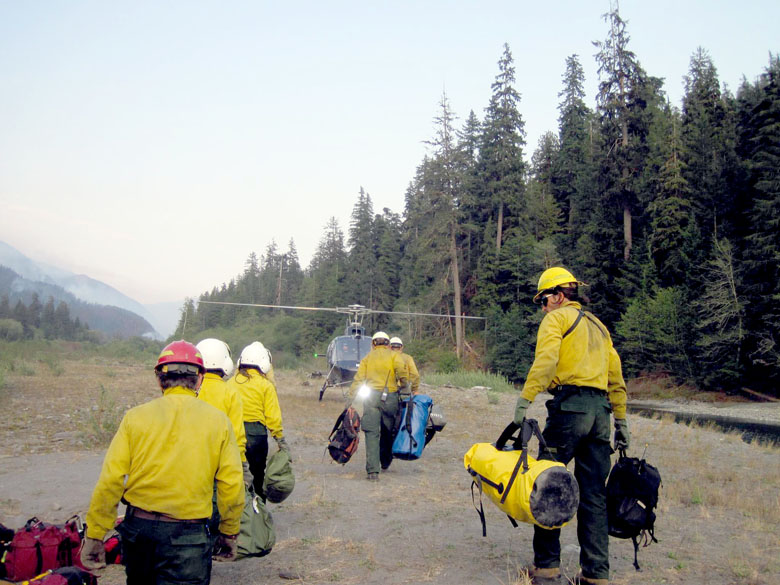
[
  {"x": 530, "y": 428},
  {"x": 338, "y": 422}
]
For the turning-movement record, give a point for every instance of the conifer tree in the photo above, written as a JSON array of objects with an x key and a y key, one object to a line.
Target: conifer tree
[
  {"x": 761, "y": 245},
  {"x": 673, "y": 235},
  {"x": 361, "y": 278},
  {"x": 573, "y": 172},
  {"x": 501, "y": 165},
  {"x": 708, "y": 141}
]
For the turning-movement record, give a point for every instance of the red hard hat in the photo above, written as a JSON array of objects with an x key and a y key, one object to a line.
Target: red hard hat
[{"x": 180, "y": 352}]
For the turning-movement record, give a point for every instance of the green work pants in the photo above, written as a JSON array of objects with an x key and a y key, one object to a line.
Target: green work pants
[
  {"x": 165, "y": 553},
  {"x": 578, "y": 427},
  {"x": 378, "y": 424}
]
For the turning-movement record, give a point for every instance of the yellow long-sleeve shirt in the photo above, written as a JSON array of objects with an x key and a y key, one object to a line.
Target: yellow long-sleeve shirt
[
  {"x": 217, "y": 393},
  {"x": 164, "y": 458},
  {"x": 381, "y": 367},
  {"x": 585, "y": 357},
  {"x": 259, "y": 400},
  {"x": 411, "y": 367}
]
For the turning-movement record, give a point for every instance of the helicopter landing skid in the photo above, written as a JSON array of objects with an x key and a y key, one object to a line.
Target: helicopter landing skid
[{"x": 327, "y": 384}]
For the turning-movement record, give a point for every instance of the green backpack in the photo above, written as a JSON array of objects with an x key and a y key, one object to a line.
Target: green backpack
[
  {"x": 256, "y": 537},
  {"x": 279, "y": 478}
]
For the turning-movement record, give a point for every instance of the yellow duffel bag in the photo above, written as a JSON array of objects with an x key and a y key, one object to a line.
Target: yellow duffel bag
[{"x": 543, "y": 492}]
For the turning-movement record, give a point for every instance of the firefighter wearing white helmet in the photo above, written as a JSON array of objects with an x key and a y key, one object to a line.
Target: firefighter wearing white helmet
[
  {"x": 381, "y": 371},
  {"x": 262, "y": 413},
  {"x": 216, "y": 392},
  {"x": 576, "y": 362},
  {"x": 397, "y": 345}
]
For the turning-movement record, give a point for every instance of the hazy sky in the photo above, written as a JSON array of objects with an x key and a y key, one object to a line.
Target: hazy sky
[{"x": 154, "y": 145}]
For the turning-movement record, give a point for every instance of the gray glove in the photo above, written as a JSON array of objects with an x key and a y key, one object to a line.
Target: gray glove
[
  {"x": 622, "y": 436},
  {"x": 226, "y": 548},
  {"x": 282, "y": 444},
  {"x": 522, "y": 406},
  {"x": 93, "y": 554},
  {"x": 248, "y": 477}
]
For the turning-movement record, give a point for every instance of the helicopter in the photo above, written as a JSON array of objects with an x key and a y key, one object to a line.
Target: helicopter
[{"x": 345, "y": 351}]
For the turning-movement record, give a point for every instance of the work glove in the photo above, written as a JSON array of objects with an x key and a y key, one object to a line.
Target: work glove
[
  {"x": 282, "y": 444},
  {"x": 622, "y": 436},
  {"x": 226, "y": 548},
  {"x": 520, "y": 408},
  {"x": 248, "y": 477},
  {"x": 93, "y": 553}
]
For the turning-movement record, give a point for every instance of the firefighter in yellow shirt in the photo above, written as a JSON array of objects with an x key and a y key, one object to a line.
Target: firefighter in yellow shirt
[
  {"x": 216, "y": 392},
  {"x": 163, "y": 462},
  {"x": 262, "y": 414},
  {"x": 381, "y": 371},
  {"x": 397, "y": 345},
  {"x": 576, "y": 362}
]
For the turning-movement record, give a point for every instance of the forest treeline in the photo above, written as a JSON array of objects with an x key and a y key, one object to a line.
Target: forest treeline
[
  {"x": 50, "y": 321},
  {"x": 670, "y": 213}
]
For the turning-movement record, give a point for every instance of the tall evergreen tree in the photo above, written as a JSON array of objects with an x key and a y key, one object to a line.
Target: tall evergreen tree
[
  {"x": 573, "y": 171},
  {"x": 624, "y": 93},
  {"x": 761, "y": 245},
  {"x": 501, "y": 165},
  {"x": 362, "y": 253},
  {"x": 673, "y": 236},
  {"x": 708, "y": 140}
]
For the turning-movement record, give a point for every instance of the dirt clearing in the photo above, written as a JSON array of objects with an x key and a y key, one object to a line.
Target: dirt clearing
[{"x": 718, "y": 516}]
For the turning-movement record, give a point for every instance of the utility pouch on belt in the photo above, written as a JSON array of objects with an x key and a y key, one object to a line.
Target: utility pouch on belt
[{"x": 539, "y": 492}]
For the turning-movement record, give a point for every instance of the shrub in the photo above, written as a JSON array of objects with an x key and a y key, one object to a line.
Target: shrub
[
  {"x": 11, "y": 330},
  {"x": 447, "y": 363}
]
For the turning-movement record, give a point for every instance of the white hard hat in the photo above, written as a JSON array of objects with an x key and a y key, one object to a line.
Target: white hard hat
[
  {"x": 396, "y": 341},
  {"x": 216, "y": 355},
  {"x": 255, "y": 355},
  {"x": 380, "y": 335}
]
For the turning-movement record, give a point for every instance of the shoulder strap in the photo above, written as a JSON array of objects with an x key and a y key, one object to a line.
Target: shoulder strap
[
  {"x": 592, "y": 320},
  {"x": 338, "y": 422},
  {"x": 580, "y": 313}
]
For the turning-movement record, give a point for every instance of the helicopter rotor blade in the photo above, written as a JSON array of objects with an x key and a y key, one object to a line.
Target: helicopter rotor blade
[
  {"x": 352, "y": 310},
  {"x": 271, "y": 306},
  {"x": 426, "y": 314}
]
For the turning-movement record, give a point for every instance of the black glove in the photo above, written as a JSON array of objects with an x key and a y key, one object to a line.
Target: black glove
[{"x": 226, "y": 548}]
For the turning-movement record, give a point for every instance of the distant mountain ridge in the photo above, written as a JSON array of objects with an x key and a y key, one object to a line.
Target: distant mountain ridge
[{"x": 76, "y": 290}]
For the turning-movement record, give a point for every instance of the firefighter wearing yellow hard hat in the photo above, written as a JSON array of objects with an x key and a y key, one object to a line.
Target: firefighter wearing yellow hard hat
[
  {"x": 163, "y": 462},
  {"x": 576, "y": 362},
  {"x": 379, "y": 375},
  {"x": 262, "y": 413},
  {"x": 413, "y": 385}
]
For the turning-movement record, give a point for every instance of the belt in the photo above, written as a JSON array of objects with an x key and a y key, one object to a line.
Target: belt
[
  {"x": 133, "y": 512},
  {"x": 571, "y": 389}
]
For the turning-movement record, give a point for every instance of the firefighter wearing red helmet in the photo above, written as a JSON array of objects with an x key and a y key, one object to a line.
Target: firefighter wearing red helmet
[{"x": 163, "y": 462}]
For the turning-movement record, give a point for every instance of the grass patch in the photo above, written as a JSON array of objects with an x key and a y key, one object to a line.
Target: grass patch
[
  {"x": 104, "y": 418},
  {"x": 22, "y": 368},
  {"x": 54, "y": 364},
  {"x": 469, "y": 379}
]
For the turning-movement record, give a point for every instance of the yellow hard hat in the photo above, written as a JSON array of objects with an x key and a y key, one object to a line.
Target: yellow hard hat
[{"x": 552, "y": 277}]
